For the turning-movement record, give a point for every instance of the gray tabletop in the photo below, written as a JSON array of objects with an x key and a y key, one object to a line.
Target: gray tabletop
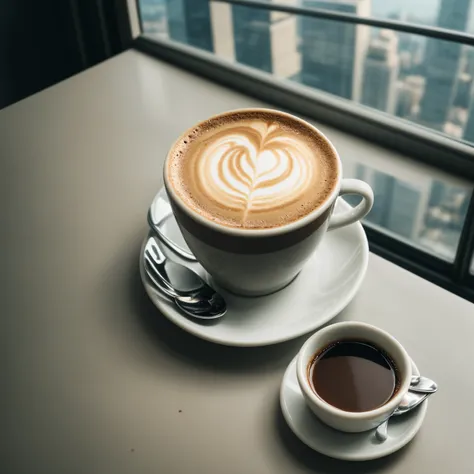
[{"x": 94, "y": 379}]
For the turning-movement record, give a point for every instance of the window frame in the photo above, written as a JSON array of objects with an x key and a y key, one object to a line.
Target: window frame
[{"x": 413, "y": 141}]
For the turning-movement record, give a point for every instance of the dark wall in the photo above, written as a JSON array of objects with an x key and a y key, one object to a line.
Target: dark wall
[
  {"x": 38, "y": 46},
  {"x": 45, "y": 41}
]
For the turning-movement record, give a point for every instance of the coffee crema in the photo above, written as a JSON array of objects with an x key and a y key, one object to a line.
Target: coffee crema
[{"x": 252, "y": 169}]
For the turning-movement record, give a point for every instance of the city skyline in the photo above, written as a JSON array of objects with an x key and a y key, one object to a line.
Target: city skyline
[
  {"x": 424, "y": 80},
  {"x": 419, "y": 11},
  {"x": 331, "y": 56}
]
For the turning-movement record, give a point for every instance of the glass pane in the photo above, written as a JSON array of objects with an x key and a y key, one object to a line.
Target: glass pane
[
  {"x": 154, "y": 17},
  {"x": 424, "y": 80},
  {"x": 450, "y": 14},
  {"x": 415, "y": 207}
]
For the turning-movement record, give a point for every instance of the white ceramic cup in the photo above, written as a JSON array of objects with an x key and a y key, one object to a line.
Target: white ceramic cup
[
  {"x": 254, "y": 262},
  {"x": 352, "y": 422}
]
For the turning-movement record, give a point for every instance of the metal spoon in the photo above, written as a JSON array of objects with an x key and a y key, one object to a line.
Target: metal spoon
[
  {"x": 420, "y": 384},
  {"x": 204, "y": 305},
  {"x": 409, "y": 402},
  {"x": 155, "y": 227},
  {"x": 185, "y": 287}
]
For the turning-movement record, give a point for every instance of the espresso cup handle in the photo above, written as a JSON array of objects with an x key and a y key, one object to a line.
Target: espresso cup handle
[{"x": 353, "y": 186}]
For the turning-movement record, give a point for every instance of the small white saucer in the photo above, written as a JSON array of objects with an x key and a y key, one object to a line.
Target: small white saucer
[
  {"x": 326, "y": 285},
  {"x": 336, "y": 444}
]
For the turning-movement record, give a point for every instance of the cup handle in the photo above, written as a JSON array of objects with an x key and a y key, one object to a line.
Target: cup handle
[{"x": 353, "y": 186}]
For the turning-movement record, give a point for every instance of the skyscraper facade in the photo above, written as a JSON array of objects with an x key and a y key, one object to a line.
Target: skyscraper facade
[
  {"x": 266, "y": 40},
  {"x": 463, "y": 92},
  {"x": 410, "y": 204},
  {"x": 189, "y": 22},
  {"x": 222, "y": 30},
  {"x": 469, "y": 128},
  {"x": 399, "y": 204},
  {"x": 153, "y": 16},
  {"x": 442, "y": 64},
  {"x": 410, "y": 90},
  {"x": 381, "y": 72},
  {"x": 332, "y": 53}
]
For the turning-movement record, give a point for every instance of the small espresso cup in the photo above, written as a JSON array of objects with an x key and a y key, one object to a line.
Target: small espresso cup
[
  {"x": 352, "y": 422},
  {"x": 254, "y": 262}
]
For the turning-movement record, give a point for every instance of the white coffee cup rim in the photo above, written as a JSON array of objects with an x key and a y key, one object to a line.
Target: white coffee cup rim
[
  {"x": 303, "y": 360},
  {"x": 290, "y": 227}
]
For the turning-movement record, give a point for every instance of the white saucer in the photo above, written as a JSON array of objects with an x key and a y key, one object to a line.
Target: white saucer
[
  {"x": 346, "y": 446},
  {"x": 326, "y": 285}
]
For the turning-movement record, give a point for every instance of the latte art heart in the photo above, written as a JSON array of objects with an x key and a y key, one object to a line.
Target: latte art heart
[
  {"x": 255, "y": 169},
  {"x": 252, "y": 169}
]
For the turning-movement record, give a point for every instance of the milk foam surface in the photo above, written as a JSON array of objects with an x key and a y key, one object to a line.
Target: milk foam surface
[{"x": 252, "y": 169}]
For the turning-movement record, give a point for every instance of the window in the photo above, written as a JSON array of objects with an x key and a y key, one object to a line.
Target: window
[
  {"x": 416, "y": 208},
  {"x": 427, "y": 81},
  {"x": 398, "y": 72}
]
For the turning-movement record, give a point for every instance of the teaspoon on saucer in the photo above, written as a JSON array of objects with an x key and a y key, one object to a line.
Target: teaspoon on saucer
[
  {"x": 155, "y": 227},
  {"x": 420, "y": 384},
  {"x": 409, "y": 402},
  {"x": 185, "y": 287}
]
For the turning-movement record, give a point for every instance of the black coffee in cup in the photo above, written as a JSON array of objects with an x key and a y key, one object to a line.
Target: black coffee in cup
[{"x": 354, "y": 376}]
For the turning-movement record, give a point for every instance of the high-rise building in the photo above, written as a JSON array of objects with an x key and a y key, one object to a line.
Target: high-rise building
[
  {"x": 399, "y": 204},
  {"x": 266, "y": 40},
  {"x": 466, "y": 92},
  {"x": 222, "y": 30},
  {"x": 469, "y": 128},
  {"x": 409, "y": 204},
  {"x": 463, "y": 92},
  {"x": 332, "y": 52},
  {"x": 410, "y": 90},
  {"x": 153, "y": 16},
  {"x": 459, "y": 111},
  {"x": 442, "y": 64},
  {"x": 189, "y": 22},
  {"x": 457, "y": 119},
  {"x": 381, "y": 72},
  {"x": 469, "y": 61}
]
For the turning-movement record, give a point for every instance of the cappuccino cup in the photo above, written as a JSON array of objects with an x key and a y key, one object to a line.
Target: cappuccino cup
[{"x": 253, "y": 192}]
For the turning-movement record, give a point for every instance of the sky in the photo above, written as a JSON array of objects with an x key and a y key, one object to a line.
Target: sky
[
  {"x": 419, "y": 8},
  {"x": 423, "y": 9}
]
